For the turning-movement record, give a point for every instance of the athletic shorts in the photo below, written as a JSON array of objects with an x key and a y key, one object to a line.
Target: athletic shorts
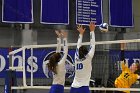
[
  {"x": 56, "y": 88},
  {"x": 83, "y": 89}
]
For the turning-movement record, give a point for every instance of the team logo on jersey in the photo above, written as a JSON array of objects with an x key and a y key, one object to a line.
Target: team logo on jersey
[{"x": 69, "y": 66}]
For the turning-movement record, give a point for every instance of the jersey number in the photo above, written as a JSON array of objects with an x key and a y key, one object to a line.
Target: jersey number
[
  {"x": 79, "y": 66},
  {"x": 126, "y": 75}
]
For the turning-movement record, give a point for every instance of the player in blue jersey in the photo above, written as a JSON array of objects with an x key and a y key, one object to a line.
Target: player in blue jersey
[
  {"x": 83, "y": 62},
  {"x": 57, "y": 64}
]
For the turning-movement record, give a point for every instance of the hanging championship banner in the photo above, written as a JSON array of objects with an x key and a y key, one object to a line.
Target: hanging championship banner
[
  {"x": 89, "y": 10},
  {"x": 121, "y": 13},
  {"x": 129, "y": 56},
  {"x": 17, "y": 11},
  {"x": 54, "y": 12}
]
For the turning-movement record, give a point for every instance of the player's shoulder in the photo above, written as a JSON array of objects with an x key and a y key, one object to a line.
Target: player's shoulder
[
  {"x": 77, "y": 59},
  {"x": 88, "y": 56}
]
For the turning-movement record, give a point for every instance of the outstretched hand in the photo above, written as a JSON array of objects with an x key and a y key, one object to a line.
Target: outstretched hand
[
  {"x": 92, "y": 26},
  {"x": 81, "y": 29},
  {"x": 61, "y": 33},
  {"x": 64, "y": 34},
  {"x": 58, "y": 33}
]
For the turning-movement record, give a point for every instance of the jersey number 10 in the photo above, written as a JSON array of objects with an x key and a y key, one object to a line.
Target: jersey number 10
[{"x": 79, "y": 66}]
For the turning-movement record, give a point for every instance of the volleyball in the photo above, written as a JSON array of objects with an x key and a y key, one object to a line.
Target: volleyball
[{"x": 103, "y": 27}]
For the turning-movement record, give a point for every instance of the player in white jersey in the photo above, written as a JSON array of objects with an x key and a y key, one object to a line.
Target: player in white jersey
[
  {"x": 57, "y": 64},
  {"x": 83, "y": 62}
]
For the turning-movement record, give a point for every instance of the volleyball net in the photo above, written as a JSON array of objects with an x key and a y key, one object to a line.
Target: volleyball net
[{"x": 32, "y": 73}]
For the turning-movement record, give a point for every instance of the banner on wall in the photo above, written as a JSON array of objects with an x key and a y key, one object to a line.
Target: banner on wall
[
  {"x": 39, "y": 63},
  {"x": 17, "y": 11},
  {"x": 121, "y": 13},
  {"x": 89, "y": 10},
  {"x": 129, "y": 56},
  {"x": 54, "y": 12},
  {"x": 41, "y": 55}
]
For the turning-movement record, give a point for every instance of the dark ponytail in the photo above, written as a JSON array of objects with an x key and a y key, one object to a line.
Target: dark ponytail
[
  {"x": 82, "y": 52},
  {"x": 53, "y": 62}
]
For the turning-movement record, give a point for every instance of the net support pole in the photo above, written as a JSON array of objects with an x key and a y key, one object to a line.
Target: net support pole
[
  {"x": 24, "y": 69},
  {"x": 31, "y": 66}
]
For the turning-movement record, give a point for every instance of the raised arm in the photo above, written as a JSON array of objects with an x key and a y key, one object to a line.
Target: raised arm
[
  {"x": 123, "y": 66},
  {"x": 81, "y": 32},
  {"x": 58, "y": 48},
  {"x": 65, "y": 47},
  {"x": 92, "y": 39}
]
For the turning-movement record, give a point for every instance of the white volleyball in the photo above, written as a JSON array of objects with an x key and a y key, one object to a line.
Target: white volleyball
[{"x": 103, "y": 27}]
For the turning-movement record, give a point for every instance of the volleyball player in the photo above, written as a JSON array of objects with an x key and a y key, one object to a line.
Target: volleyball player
[
  {"x": 83, "y": 64},
  {"x": 57, "y": 64},
  {"x": 127, "y": 77}
]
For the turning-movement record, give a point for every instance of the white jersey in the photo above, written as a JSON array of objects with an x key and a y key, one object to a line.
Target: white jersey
[
  {"x": 59, "y": 78},
  {"x": 83, "y": 67}
]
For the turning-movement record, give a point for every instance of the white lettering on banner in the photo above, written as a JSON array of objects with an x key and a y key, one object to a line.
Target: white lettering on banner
[
  {"x": 2, "y": 63},
  {"x": 120, "y": 66},
  {"x": 127, "y": 62},
  {"x": 35, "y": 66},
  {"x": 136, "y": 60},
  {"x": 19, "y": 61}
]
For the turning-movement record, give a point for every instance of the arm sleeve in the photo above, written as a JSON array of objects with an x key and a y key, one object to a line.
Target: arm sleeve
[
  {"x": 65, "y": 51},
  {"x": 92, "y": 44},
  {"x": 79, "y": 43},
  {"x": 122, "y": 55},
  {"x": 58, "y": 48}
]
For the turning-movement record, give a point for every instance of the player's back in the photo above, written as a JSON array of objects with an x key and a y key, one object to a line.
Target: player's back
[
  {"x": 59, "y": 78},
  {"x": 83, "y": 68}
]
